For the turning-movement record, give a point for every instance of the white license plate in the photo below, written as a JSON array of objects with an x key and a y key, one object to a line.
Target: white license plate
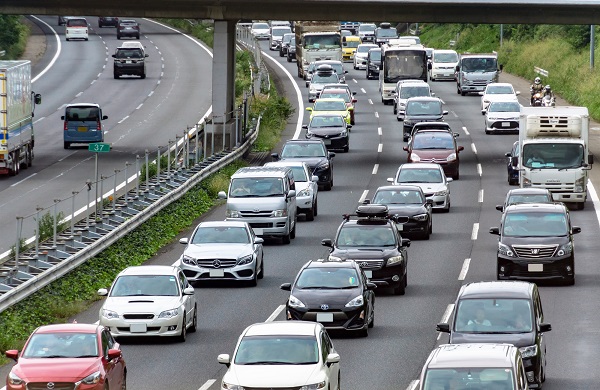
[
  {"x": 447, "y": 75},
  {"x": 535, "y": 267},
  {"x": 137, "y": 328},
  {"x": 400, "y": 227},
  {"x": 128, "y": 61},
  {"x": 216, "y": 273},
  {"x": 505, "y": 124},
  {"x": 369, "y": 274},
  {"x": 327, "y": 141},
  {"x": 324, "y": 317}
]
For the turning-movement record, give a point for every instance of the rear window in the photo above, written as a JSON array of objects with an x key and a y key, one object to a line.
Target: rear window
[
  {"x": 90, "y": 113},
  {"x": 129, "y": 53},
  {"x": 76, "y": 23}
]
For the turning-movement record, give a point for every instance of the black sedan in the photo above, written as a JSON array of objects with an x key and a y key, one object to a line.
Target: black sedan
[
  {"x": 332, "y": 129},
  {"x": 412, "y": 211},
  {"x": 314, "y": 153},
  {"x": 334, "y": 293}
]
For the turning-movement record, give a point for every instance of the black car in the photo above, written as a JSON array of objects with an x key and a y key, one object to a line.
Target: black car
[
  {"x": 536, "y": 243},
  {"x": 291, "y": 53},
  {"x": 334, "y": 293},
  {"x": 128, "y": 28},
  {"x": 370, "y": 237},
  {"x": 129, "y": 61},
  {"x": 111, "y": 21},
  {"x": 421, "y": 109},
  {"x": 503, "y": 312},
  {"x": 314, "y": 153},
  {"x": 410, "y": 208},
  {"x": 512, "y": 165},
  {"x": 331, "y": 129},
  {"x": 373, "y": 63},
  {"x": 526, "y": 195},
  {"x": 288, "y": 40}
]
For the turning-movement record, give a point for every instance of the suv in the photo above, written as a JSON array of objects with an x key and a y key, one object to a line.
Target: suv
[
  {"x": 373, "y": 63},
  {"x": 129, "y": 61},
  {"x": 406, "y": 89},
  {"x": 366, "y": 32},
  {"x": 536, "y": 242},
  {"x": 276, "y": 36},
  {"x": 314, "y": 153},
  {"x": 108, "y": 21},
  {"x": 307, "y": 188},
  {"x": 503, "y": 312},
  {"x": 350, "y": 298},
  {"x": 384, "y": 33},
  {"x": 77, "y": 28},
  {"x": 421, "y": 109},
  {"x": 128, "y": 28},
  {"x": 287, "y": 41},
  {"x": 372, "y": 239},
  {"x": 325, "y": 74}
]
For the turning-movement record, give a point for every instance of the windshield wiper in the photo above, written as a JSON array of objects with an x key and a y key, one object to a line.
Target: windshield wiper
[
  {"x": 569, "y": 167},
  {"x": 266, "y": 362},
  {"x": 55, "y": 356},
  {"x": 86, "y": 356}
]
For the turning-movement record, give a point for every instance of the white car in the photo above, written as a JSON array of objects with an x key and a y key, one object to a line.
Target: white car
[
  {"x": 77, "y": 28},
  {"x": 260, "y": 30},
  {"x": 134, "y": 44},
  {"x": 443, "y": 65},
  {"x": 306, "y": 187},
  {"x": 150, "y": 300},
  {"x": 282, "y": 354},
  {"x": 495, "y": 92},
  {"x": 502, "y": 117},
  {"x": 360, "y": 56},
  {"x": 430, "y": 177}
]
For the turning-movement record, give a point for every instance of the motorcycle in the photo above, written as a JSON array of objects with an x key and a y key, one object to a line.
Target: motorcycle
[
  {"x": 536, "y": 99},
  {"x": 548, "y": 101}
]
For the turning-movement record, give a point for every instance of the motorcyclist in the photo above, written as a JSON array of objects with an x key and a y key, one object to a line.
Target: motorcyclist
[
  {"x": 548, "y": 93},
  {"x": 536, "y": 87}
]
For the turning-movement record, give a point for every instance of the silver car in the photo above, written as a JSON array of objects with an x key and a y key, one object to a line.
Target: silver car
[
  {"x": 223, "y": 250},
  {"x": 502, "y": 117},
  {"x": 360, "y": 56},
  {"x": 407, "y": 89},
  {"x": 306, "y": 187},
  {"x": 432, "y": 180}
]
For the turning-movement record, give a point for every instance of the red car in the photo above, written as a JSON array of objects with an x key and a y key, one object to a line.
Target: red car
[
  {"x": 435, "y": 146},
  {"x": 68, "y": 356}
]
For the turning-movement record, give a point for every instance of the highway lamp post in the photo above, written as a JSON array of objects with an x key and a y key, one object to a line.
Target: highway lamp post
[
  {"x": 185, "y": 149},
  {"x": 501, "y": 33},
  {"x": 205, "y": 146},
  {"x": 592, "y": 44},
  {"x": 176, "y": 161}
]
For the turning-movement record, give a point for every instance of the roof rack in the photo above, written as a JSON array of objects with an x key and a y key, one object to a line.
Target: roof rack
[{"x": 370, "y": 214}]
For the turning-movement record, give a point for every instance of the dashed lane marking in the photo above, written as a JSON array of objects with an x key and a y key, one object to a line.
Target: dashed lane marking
[
  {"x": 379, "y": 148},
  {"x": 379, "y": 130},
  {"x": 475, "y": 231},
  {"x": 21, "y": 181},
  {"x": 140, "y": 106},
  {"x": 479, "y": 170},
  {"x": 275, "y": 313},
  {"x": 473, "y": 148},
  {"x": 464, "y": 269},
  {"x": 480, "y": 197},
  {"x": 123, "y": 120},
  {"x": 370, "y": 101},
  {"x": 363, "y": 196},
  {"x": 466, "y": 131},
  {"x": 79, "y": 94},
  {"x": 375, "y": 169},
  {"x": 207, "y": 384},
  {"x": 376, "y": 114},
  {"x": 363, "y": 90}
]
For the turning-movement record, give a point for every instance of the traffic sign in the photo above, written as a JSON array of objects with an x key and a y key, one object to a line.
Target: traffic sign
[{"x": 99, "y": 147}]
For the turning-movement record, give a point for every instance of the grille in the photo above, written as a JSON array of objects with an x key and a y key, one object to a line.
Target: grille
[
  {"x": 136, "y": 316},
  {"x": 402, "y": 219},
  {"x": 535, "y": 251},
  {"x": 498, "y": 124},
  {"x": 369, "y": 264},
  {"x": 44, "y": 386},
  {"x": 260, "y": 213},
  {"x": 216, "y": 263},
  {"x": 435, "y": 160}
]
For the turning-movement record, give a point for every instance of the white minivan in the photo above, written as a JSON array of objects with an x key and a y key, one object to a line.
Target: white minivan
[
  {"x": 77, "y": 28},
  {"x": 443, "y": 64}
]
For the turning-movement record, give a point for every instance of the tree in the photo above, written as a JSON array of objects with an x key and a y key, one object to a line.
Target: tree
[{"x": 10, "y": 30}]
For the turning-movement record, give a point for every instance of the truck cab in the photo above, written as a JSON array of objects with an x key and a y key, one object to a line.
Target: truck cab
[{"x": 475, "y": 71}]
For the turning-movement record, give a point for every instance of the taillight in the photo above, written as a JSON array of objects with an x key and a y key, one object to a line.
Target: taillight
[
  {"x": 98, "y": 125},
  {"x": 65, "y": 125}
]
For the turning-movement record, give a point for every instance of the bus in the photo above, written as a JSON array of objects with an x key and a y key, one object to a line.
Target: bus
[{"x": 400, "y": 61}]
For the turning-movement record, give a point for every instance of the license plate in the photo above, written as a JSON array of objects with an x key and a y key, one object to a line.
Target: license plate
[
  {"x": 535, "y": 267},
  {"x": 128, "y": 61},
  {"x": 400, "y": 227},
  {"x": 447, "y": 75},
  {"x": 505, "y": 124},
  {"x": 324, "y": 317},
  {"x": 216, "y": 273},
  {"x": 82, "y": 128},
  {"x": 327, "y": 141},
  {"x": 369, "y": 274},
  {"x": 137, "y": 328}
]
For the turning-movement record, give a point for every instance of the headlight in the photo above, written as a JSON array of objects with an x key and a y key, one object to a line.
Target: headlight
[
  {"x": 579, "y": 185},
  {"x": 486, "y": 102},
  {"x": 451, "y": 157},
  {"x": 530, "y": 351},
  {"x": 402, "y": 105},
  {"x": 344, "y": 133},
  {"x": 304, "y": 192},
  {"x": 232, "y": 213},
  {"x": 415, "y": 157},
  {"x": 314, "y": 386},
  {"x": 334, "y": 258},
  {"x": 92, "y": 379},
  {"x": 505, "y": 250},
  {"x": 565, "y": 250},
  {"x": 111, "y": 315},
  {"x": 189, "y": 260},
  {"x": 245, "y": 259},
  {"x": 295, "y": 302},
  {"x": 323, "y": 165},
  {"x": 420, "y": 217},
  {"x": 229, "y": 386},
  {"x": 526, "y": 182},
  {"x": 441, "y": 193},
  {"x": 356, "y": 302},
  {"x": 13, "y": 379},
  {"x": 394, "y": 260},
  {"x": 280, "y": 213},
  {"x": 169, "y": 313}
]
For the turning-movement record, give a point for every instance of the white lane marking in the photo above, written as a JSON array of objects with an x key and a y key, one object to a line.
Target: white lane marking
[
  {"x": 595, "y": 199},
  {"x": 473, "y": 148},
  {"x": 158, "y": 82},
  {"x": 446, "y": 317},
  {"x": 379, "y": 131},
  {"x": 480, "y": 197},
  {"x": 61, "y": 107},
  {"x": 453, "y": 113},
  {"x": 464, "y": 269},
  {"x": 151, "y": 93},
  {"x": 443, "y": 102},
  {"x": 123, "y": 120},
  {"x": 275, "y": 313},
  {"x": 379, "y": 148},
  {"x": 93, "y": 81},
  {"x": 376, "y": 114},
  {"x": 161, "y": 74},
  {"x": 207, "y": 384},
  {"x": 363, "y": 196},
  {"x": 370, "y": 101},
  {"x": 104, "y": 66},
  {"x": 140, "y": 106},
  {"x": 21, "y": 181},
  {"x": 466, "y": 131},
  {"x": 355, "y": 80},
  {"x": 375, "y": 169},
  {"x": 67, "y": 156},
  {"x": 163, "y": 66},
  {"x": 475, "y": 231},
  {"x": 363, "y": 90},
  {"x": 100, "y": 74},
  {"x": 479, "y": 170},
  {"x": 161, "y": 58},
  {"x": 58, "y": 50},
  {"x": 79, "y": 94},
  {"x": 160, "y": 54},
  {"x": 413, "y": 385},
  {"x": 39, "y": 120}
]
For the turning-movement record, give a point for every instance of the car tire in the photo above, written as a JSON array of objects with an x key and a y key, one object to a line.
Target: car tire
[
  {"x": 456, "y": 176},
  {"x": 29, "y": 156},
  {"x": 261, "y": 272},
  {"x": 401, "y": 288},
  {"x": 67, "y": 39},
  {"x": 487, "y": 131},
  {"x": 580, "y": 205},
  {"x": 447, "y": 208},
  {"x": 116, "y": 76},
  {"x": 372, "y": 321},
  {"x": 426, "y": 235},
  {"x": 280, "y": 53},
  {"x": 137, "y": 37},
  {"x": 293, "y": 232},
  {"x": 118, "y": 36},
  {"x": 316, "y": 208},
  {"x": 85, "y": 39},
  {"x": 457, "y": 90},
  {"x": 124, "y": 381},
  {"x": 395, "y": 110},
  {"x": 143, "y": 76},
  {"x": 183, "y": 335},
  {"x": 462, "y": 93},
  {"x": 327, "y": 187},
  {"x": 346, "y": 149},
  {"x": 194, "y": 326},
  {"x": 310, "y": 214},
  {"x": 286, "y": 239},
  {"x": 67, "y": 145}
]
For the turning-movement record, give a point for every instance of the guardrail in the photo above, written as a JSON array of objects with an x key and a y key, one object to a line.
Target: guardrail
[{"x": 540, "y": 71}]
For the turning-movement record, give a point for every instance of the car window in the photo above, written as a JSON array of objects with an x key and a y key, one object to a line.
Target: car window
[
  {"x": 107, "y": 342},
  {"x": 499, "y": 90},
  {"x": 420, "y": 175},
  {"x": 325, "y": 347},
  {"x": 76, "y": 23},
  {"x": 327, "y": 277},
  {"x": 329, "y": 105},
  {"x": 365, "y": 236},
  {"x": 423, "y": 108},
  {"x": 494, "y": 315},
  {"x": 145, "y": 285},
  {"x": 468, "y": 378},
  {"x": 445, "y": 57},
  {"x": 535, "y": 224},
  {"x": 299, "y": 174},
  {"x": 327, "y": 121},
  {"x": 129, "y": 53},
  {"x": 63, "y": 344},
  {"x": 303, "y": 150},
  {"x": 366, "y": 28},
  {"x": 335, "y": 95},
  {"x": 410, "y": 91},
  {"x": 220, "y": 234},
  {"x": 375, "y": 55},
  {"x": 325, "y": 78},
  {"x": 504, "y": 107},
  {"x": 277, "y": 350},
  {"x": 260, "y": 26},
  {"x": 528, "y": 198},
  {"x": 82, "y": 113},
  {"x": 432, "y": 140},
  {"x": 388, "y": 197}
]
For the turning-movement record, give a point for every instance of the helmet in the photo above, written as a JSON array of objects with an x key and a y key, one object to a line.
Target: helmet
[
  {"x": 547, "y": 88},
  {"x": 537, "y": 80}
]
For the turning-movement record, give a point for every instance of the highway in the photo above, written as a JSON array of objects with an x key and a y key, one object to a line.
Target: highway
[{"x": 459, "y": 251}]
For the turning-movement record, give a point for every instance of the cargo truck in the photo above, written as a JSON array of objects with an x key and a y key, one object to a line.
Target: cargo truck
[
  {"x": 554, "y": 151},
  {"x": 316, "y": 41},
  {"x": 475, "y": 71},
  {"x": 17, "y": 104}
]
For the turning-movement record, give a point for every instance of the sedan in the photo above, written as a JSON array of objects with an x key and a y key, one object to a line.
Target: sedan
[
  {"x": 223, "y": 250},
  {"x": 497, "y": 92},
  {"x": 129, "y": 28},
  {"x": 332, "y": 106},
  {"x": 72, "y": 356},
  {"x": 512, "y": 165},
  {"x": 332, "y": 129},
  {"x": 502, "y": 117},
  {"x": 314, "y": 153},
  {"x": 432, "y": 180},
  {"x": 260, "y": 30},
  {"x": 307, "y": 188},
  {"x": 436, "y": 146},
  {"x": 526, "y": 195}
]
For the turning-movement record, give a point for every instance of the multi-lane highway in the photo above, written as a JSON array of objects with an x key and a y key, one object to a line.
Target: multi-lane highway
[{"x": 459, "y": 251}]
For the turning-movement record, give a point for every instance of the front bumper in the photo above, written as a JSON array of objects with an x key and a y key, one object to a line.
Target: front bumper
[
  {"x": 388, "y": 276},
  {"x": 304, "y": 203},
  {"x": 360, "y": 62},
  {"x": 269, "y": 227},
  {"x": 439, "y": 201},
  {"x": 204, "y": 273},
  {"x": 334, "y": 142},
  {"x": 472, "y": 88},
  {"x": 348, "y": 319},
  {"x": 443, "y": 74},
  {"x": 555, "y": 268},
  {"x": 502, "y": 126},
  {"x": 154, "y": 327},
  {"x": 567, "y": 197},
  {"x": 413, "y": 227}
]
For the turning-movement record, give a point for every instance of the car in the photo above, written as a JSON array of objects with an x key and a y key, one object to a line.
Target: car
[
  {"x": 331, "y": 106},
  {"x": 223, "y": 250},
  {"x": 370, "y": 237},
  {"x": 410, "y": 207},
  {"x": 366, "y": 32},
  {"x": 373, "y": 63},
  {"x": 328, "y": 87},
  {"x": 502, "y": 117},
  {"x": 384, "y": 33},
  {"x": 282, "y": 354},
  {"x": 421, "y": 109},
  {"x": 360, "y": 56},
  {"x": 82, "y": 123},
  {"x": 276, "y": 36},
  {"x": 128, "y": 28},
  {"x": 341, "y": 93},
  {"x": 62, "y": 20},
  {"x": 322, "y": 76},
  {"x": 133, "y": 44},
  {"x": 405, "y": 90},
  {"x": 337, "y": 66},
  {"x": 432, "y": 180},
  {"x": 331, "y": 128},
  {"x": 503, "y": 312},
  {"x": 291, "y": 53},
  {"x": 425, "y": 126},
  {"x": 349, "y": 45},
  {"x": 314, "y": 153},
  {"x": 68, "y": 356},
  {"x": 437, "y": 146},
  {"x": 163, "y": 303},
  {"x": 129, "y": 61},
  {"x": 111, "y": 21},
  {"x": 346, "y": 33},
  {"x": 473, "y": 366},
  {"x": 512, "y": 165},
  {"x": 76, "y": 28},
  {"x": 495, "y": 92},
  {"x": 526, "y": 195},
  {"x": 307, "y": 189},
  {"x": 416, "y": 39},
  {"x": 276, "y": 23},
  {"x": 335, "y": 293},
  {"x": 288, "y": 39},
  {"x": 260, "y": 30},
  {"x": 443, "y": 65}
]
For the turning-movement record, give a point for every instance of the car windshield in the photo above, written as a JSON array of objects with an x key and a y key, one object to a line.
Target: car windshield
[
  {"x": 553, "y": 155},
  {"x": 375, "y": 55},
  {"x": 322, "y": 41},
  {"x": 220, "y": 234},
  {"x": 327, "y": 121},
  {"x": 419, "y": 175},
  {"x": 325, "y": 78},
  {"x": 410, "y": 91},
  {"x": 279, "y": 31},
  {"x": 260, "y": 26},
  {"x": 336, "y": 95},
  {"x": 256, "y": 187},
  {"x": 83, "y": 113},
  {"x": 493, "y": 315},
  {"x": 329, "y": 105},
  {"x": 432, "y": 140},
  {"x": 129, "y": 53},
  {"x": 445, "y": 58},
  {"x": 303, "y": 150},
  {"x": 535, "y": 224},
  {"x": 365, "y": 236},
  {"x": 365, "y": 28},
  {"x": 479, "y": 65},
  {"x": 364, "y": 48},
  {"x": 499, "y": 90},
  {"x": 388, "y": 197},
  {"x": 277, "y": 350},
  {"x": 467, "y": 378},
  {"x": 528, "y": 198},
  {"x": 288, "y": 38},
  {"x": 351, "y": 44},
  {"x": 504, "y": 107},
  {"x": 145, "y": 285},
  {"x": 417, "y": 108},
  {"x": 327, "y": 278},
  {"x": 76, "y": 23},
  {"x": 386, "y": 33},
  {"x": 61, "y": 345}
]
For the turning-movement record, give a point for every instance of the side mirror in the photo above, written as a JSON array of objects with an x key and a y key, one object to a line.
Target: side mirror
[
  {"x": 291, "y": 194},
  {"x": 495, "y": 231},
  {"x": 354, "y": 93},
  {"x": 508, "y": 154},
  {"x": 366, "y": 201},
  {"x": 545, "y": 327},
  {"x": 500, "y": 207},
  {"x": 188, "y": 291},
  {"x": 37, "y": 98},
  {"x": 449, "y": 180},
  {"x": 517, "y": 93},
  {"x": 354, "y": 100},
  {"x": 224, "y": 359},
  {"x": 327, "y": 242},
  {"x": 102, "y": 292},
  {"x": 114, "y": 56},
  {"x": 456, "y": 135},
  {"x": 308, "y": 108},
  {"x": 12, "y": 354},
  {"x": 371, "y": 286},
  {"x": 222, "y": 195},
  {"x": 349, "y": 127},
  {"x": 331, "y": 154},
  {"x": 333, "y": 358},
  {"x": 405, "y": 242},
  {"x": 114, "y": 354},
  {"x": 275, "y": 156},
  {"x": 461, "y": 148},
  {"x": 286, "y": 287},
  {"x": 576, "y": 229},
  {"x": 443, "y": 327},
  {"x": 345, "y": 72},
  {"x": 305, "y": 127},
  {"x": 444, "y": 112},
  {"x": 146, "y": 55},
  {"x": 514, "y": 160},
  {"x": 104, "y": 117},
  {"x": 259, "y": 240},
  {"x": 390, "y": 179},
  {"x": 405, "y": 148},
  {"x": 315, "y": 178},
  {"x": 590, "y": 159},
  {"x": 432, "y": 94},
  {"x": 183, "y": 240}
]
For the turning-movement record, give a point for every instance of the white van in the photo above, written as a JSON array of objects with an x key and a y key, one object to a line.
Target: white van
[
  {"x": 443, "y": 65},
  {"x": 77, "y": 28}
]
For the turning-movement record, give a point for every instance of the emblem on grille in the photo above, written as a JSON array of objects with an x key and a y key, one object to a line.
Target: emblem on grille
[
  {"x": 50, "y": 385},
  {"x": 256, "y": 210},
  {"x": 216, "y": 263},
  {"x": 363, "y": 264},
  {"x": 535, "y": 251},
  {"x": 324, "y": 306}
]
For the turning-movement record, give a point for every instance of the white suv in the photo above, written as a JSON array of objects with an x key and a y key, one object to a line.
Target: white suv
[{"x": 430, "y": 177}]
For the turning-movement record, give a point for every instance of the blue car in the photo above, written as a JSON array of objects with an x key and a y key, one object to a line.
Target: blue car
[
  {"x": 513, "y": 169},
  {"x": 83, "y": 124}
]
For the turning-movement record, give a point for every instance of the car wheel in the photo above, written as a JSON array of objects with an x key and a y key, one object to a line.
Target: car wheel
[
  {"x": 580, "y": 205},
  {"x": 67, "y": 39},
  {"x": 456, "y": 176},
  {"x": 293, "y": 232},
  {"x": 457, "y": 90},
  {"x": 118, "y": 36},
  {"x": 116, "y": 76},
  {"x": 286, "y": 239},
  {"x": 395, "y": 110},
  {"x": 487, "y": 131},
  {"x": 372, "y": 320},
  {"x": 29, "y": 156},
  {"x": 316, "y": 208},
  {"x": 426, "y": 235},
  {"x": 261, "y": 272},
  {"x": 254, "y": 281},
  {"x": 143, "y": 75},
  {"x": 310, "y": 214},
  {"x": 462, "y": 93},
  {"x": 280, "y": 53},
  {"x": 85, "y": 39},
  {"x": 137, "y": 37},
  {"x": 183, "y": 335},
  {"x": 289, "y": 59},
  {"x": 346, "y": 148},
  {"x": 327, "y": 187},
  {"x": 447, "y": 208},
  {"x": 194, "y": 326},
  {"x": 67, "y": 145}
]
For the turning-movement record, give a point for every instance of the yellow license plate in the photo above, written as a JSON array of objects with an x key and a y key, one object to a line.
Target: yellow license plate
[{"x": 82, "y": 128}]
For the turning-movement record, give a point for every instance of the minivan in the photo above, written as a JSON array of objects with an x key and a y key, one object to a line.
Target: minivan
[
  {"x": 77, "y": 28},
  {"x": 83, "y": 124},
  {"x": 265, "y": 197},
  {"x": 421, "y": 109}
]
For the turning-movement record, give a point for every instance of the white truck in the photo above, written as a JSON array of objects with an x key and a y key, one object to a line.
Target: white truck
[
  {"x": 316, "y": 41},
  {"x": 554, "y": 151},
  {"x": 17, "y": 102}
]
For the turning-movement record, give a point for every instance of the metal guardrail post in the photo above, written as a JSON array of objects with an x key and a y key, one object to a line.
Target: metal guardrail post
[
  {"x": 137, "y": 176},
  {"x": 224, "y": 128},
  {"x": 205, "y": 144},
  {"x": 147, "y": 170},
  {"x": 18, "y": 244},
  {"x": 197, "y": 159},
  {"x": 114, "y": 202},
  {"x": 212, "y": 143},
  {"x": 73, "y": 213},
  {"x": 127, "y": 164},
  {"x": 169, "y": 158},
  {"x": 37, "y": 229},
  {"x": 54, "y": 223},
  {"x": 158, "y": 167},
  {"x": 99, "y": 217},
  {"x": 87, "y": 206},
  {"x": 185, "y": 150}
]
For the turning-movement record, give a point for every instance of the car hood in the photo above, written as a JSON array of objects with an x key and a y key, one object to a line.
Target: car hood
[
  {"x": 260, "y": 30},
  {"x": 553, "y": 240},
  {"x": 312, "y": 162},
  {"x": 55, "y": 370},
  {"x": 327, "y": 130},
  {"x": 438, "y": 154},
  {"x": 429, "y": 187},
  {"x": 365, "y": 253},
  {"x": 140, "y": 304},
  {"x": 516, "y": 339},
  {"x": 214, "y": 251},
  {"x": 503, "y": 115},
  {"x": 271, "y": 376},
  {"x": 336, "y": 299},
  {"x": 258, "y": 203},
  {"x": 503, "y": 97},
  {"x": 406, "y": 210},
  {"x": 340, "y": 113}
]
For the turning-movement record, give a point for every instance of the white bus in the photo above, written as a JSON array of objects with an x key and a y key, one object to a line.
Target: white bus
[{"x": 400, "y": 60}]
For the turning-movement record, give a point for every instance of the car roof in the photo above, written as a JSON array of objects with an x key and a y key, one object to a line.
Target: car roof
[
  {"x": 472, "y": 355},
  {"x": 303, "y": 141},
  {"x": 324, "y": 263},
  {"x": 127, "y": 21},
  {"x": 536, "y": 207},
  {"x": 286, "y": 163},
  {"x": 425, "y": 131},
  {"x": 68, "y": 327},
  {"x": 499, "y": 85},
  {"x": 336, "y": 90},
  {"x": 528, "y": 191},
  {"x": 82, "y": 105},
  {"x": 496, "y": 289},
  {"x": 435, "y": 125},
  {"x": 399, "y": 187},
  {"x": 423, "y": 99},
  {"x": 260, "y": 171},
  {"x": 283, "y": 328},
  {"x": 150, "y": 270},
  {"x": 223, "y": 223}
]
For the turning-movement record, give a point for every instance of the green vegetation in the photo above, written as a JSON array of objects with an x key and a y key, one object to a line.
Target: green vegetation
[
  {"x": 200, "y": 29},
  {"x": 13, "y": 36},
  {"x": 275, "y": 112}
]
